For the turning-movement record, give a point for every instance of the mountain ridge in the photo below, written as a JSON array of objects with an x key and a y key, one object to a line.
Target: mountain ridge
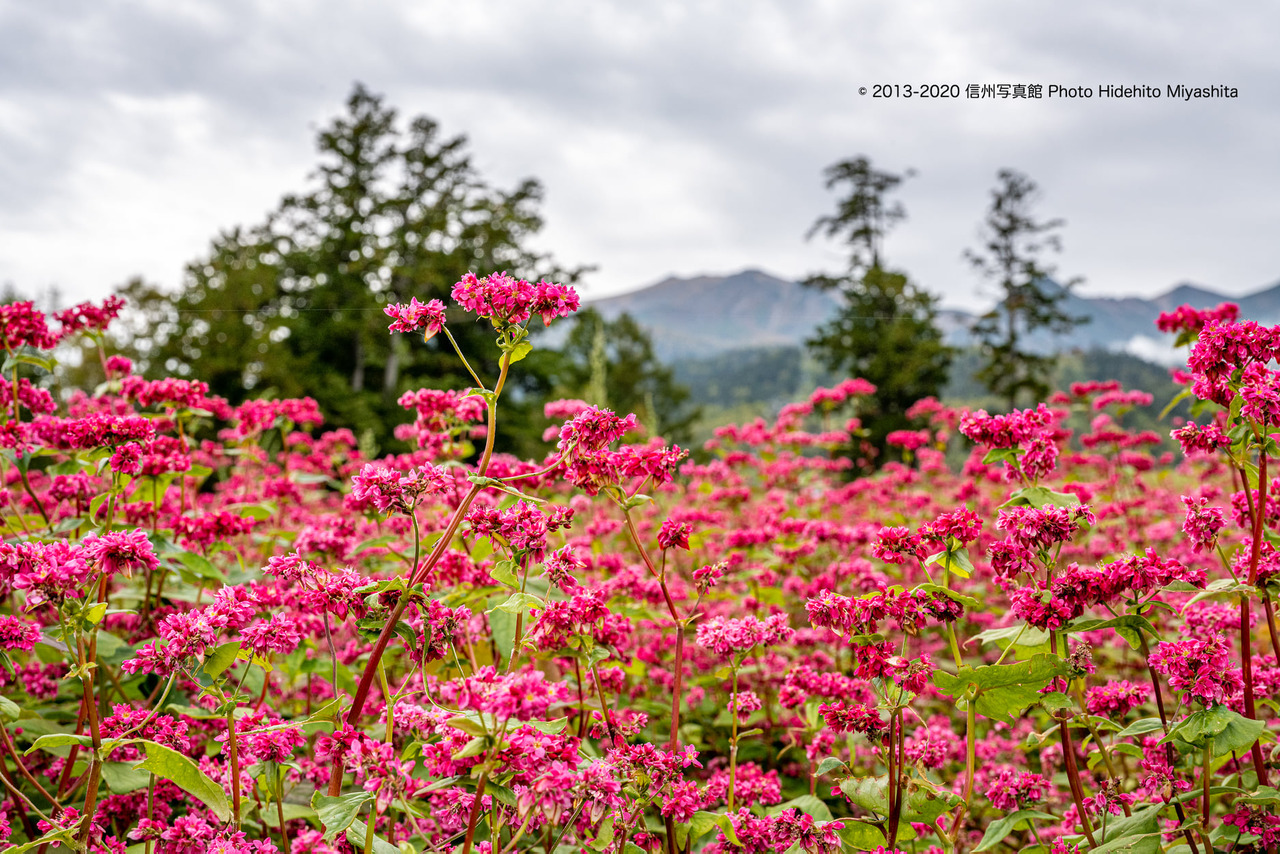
[{"x": 701, "y": 316}]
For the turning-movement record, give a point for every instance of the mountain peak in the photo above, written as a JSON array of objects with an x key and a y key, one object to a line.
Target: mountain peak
[{"x": 706, "y": 314}]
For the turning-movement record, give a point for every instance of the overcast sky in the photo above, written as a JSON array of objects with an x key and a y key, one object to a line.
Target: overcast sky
[{"x": 671, "y": 137}]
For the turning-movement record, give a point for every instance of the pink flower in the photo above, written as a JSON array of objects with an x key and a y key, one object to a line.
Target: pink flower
[
  {"x": 416, "y": 316},
  {"x": 1014, "y": 789},
  {"x": 1117, "y": 698},
  {"x": 853, "y": 717},
  {"x": 388, "y": 489},
  {"x": 1202, "y": 523},
  {"x": 16, "y": 633},
  {"x": 726, "y": 636},
  {"x": 963, "y": 525},
  {"x": 1187, "y": 319},
  {"x": 744, "y": 703},
  {"x": 1202, "y": 668},
  {"x": 512, "y": 301},
  {"x": 674, "y": 535},
  {"x": 1202, "y": 439},
  {"x": 1040, "y": 528},
  {"x": 22, "y": 325},
  {"x": 86, "y": 315},
  {"x": 122, "y": 551}
]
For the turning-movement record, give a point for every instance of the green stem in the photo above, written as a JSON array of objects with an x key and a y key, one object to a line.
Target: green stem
[
  {"x": 458, "y": 350},
  {"x": 733, "y": 738},
  {"x": 233, "y": 749}
]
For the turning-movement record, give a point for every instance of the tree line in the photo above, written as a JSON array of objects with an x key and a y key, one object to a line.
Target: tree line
[{"x": 292, "y": 306}]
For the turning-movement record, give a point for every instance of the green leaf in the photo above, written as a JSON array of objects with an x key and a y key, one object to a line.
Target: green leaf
[
  {"x": 1130, "y": 627},
  {"x": 925, "y": 802},
  {"x": 172, "y": 765},
  {"x": 868, "y": 793},
  {"x": 806, "y": 804},
  {"x": 519, "y": 603},
  {"x": 1264, "y": 795},
  {"x": 9, "y": 710},
  {"x": 1023, "y": 637},
  {"x": 1040, "y": 496},
  {"x": 828, "y": 765},
  {"x": 1055, "y": 701},
  {"x": 521, "y": 350},
  {"x": 66, "y": 836},
  {"x": 1200, "y": 726},
  {"x": 151, "y": 489},
  {"x": 548, "y": 727},
  {"x": 1003, "y": 690},
  {"x": 1223, "y": 587},
  {"x": 474, "y": 747},
  {"x": 1002, "y": 455},
  {"x": 1238, "y": 737},
  {"x": 503, "y": 626},
  {"x": 861, "y": 835},
  {"x": 26, "y": 356},
  {"x": 1135, "y": 834},
  {"x": 199, "y": 566},
  {"x": 122, "y": 778},
  {"x": 355, "y": 836},
  {"x": 94, "y": 613},
  {"x": 221, "y": 658},
  {"x": 1230, "y": 731},
  {"x": 371, "y": 543},
  {"x": 291, "y": 812},
  {"x": 261, "y": 511},
  {"x": 501, "y": 794},
  {"x": 337, "y": 813},
  {"x": 96, "y": 503},
  {"x": 1177, "y": 398},
  {"x": 470, "y": 723},
  {"x": 504, "y": 572},
  {"x": 604, "y": 836},
  {"x": 1140, "y": 727},
  {"x": 1002, "y": 827},
  {"x": 58, "y": 739},
  {"x": 703, "y": 823}
]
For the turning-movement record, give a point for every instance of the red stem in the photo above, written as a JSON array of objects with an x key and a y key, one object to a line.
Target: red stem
[{"x": 1246, "y": 642}]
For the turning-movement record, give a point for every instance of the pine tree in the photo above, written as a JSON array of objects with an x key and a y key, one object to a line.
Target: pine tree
[
  {"x": 886, "y": 332},
  {"x": 1014, "y": 242}
]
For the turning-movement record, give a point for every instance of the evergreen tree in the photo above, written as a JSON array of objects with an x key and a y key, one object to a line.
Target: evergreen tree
[
  {"x": 293, "y": 306},
  {"x": 611, "y": 363},
  {"x": 886, "y": 332},
  {"x": 1014, "y": 242}
]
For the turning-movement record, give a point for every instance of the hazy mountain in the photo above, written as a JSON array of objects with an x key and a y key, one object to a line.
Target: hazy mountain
[
  {"x": 1128, "y": 324},
  {"x": 706, "y": 315}
]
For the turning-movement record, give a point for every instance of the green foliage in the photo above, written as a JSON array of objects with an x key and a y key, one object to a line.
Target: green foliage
[
  {"x": 611, "y": 363},
  {"x": 172, "y": 765},
  {"x": 886, "y": 332},
  {"x": 1224, "y": 730},
  {"x": 1013, "y": 244},
  {"x": 293, "y": 306},
  {"x": 1002, "y": 827},
  {"x": 1002, "y": 691}
]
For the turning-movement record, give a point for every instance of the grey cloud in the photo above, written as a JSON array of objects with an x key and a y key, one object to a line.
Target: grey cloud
[{"x": 738, "y": 105}]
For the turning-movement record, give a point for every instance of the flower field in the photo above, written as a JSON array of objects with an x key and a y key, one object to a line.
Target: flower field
[{"x": 224, "y": 629}]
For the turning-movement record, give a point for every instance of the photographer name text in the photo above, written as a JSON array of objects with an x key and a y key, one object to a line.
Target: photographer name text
[{"x": 1040, "y": 91}]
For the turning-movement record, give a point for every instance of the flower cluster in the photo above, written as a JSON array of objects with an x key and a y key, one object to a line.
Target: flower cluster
[
  {"x": 1201, "y": 668},
  {"x": 416, "y": 316},
  {"x": 512, "y": 301}
]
